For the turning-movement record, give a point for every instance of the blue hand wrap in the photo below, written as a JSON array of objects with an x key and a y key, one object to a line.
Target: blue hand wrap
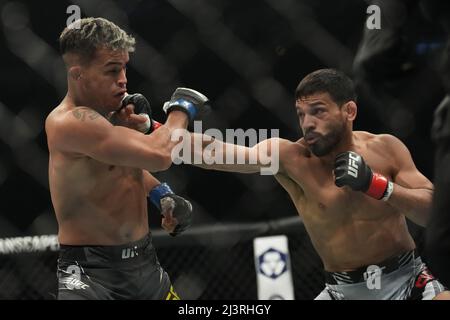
[
  {"x": 159, "y": 192},
  {"x": 189, "y": 107}
]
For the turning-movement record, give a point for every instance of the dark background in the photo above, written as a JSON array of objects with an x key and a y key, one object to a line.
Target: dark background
[{"x": 246, "y": 56}]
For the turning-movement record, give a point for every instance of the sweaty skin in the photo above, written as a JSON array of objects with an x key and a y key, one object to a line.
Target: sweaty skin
[
  {"x": 96, "y": 202},
  {"x": 98, "y": 172},
  {"x": 348, "y": 229}
]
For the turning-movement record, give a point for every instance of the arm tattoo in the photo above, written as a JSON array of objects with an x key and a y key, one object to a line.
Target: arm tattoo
[{"x": 82, "y": 114}]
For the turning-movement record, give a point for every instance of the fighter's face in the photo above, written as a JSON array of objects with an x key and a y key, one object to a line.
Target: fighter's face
[
  {"x": 322, "y": 122},
  {"x": 103, "y": 80}
]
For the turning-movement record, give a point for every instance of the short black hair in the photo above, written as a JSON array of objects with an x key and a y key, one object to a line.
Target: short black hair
[{"x": 338, "y": 85}]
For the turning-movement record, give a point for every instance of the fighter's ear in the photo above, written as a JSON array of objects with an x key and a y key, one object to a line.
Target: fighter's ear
[
  {"x": 350, "y": 109},
  {"x": 75, "y": 72}
]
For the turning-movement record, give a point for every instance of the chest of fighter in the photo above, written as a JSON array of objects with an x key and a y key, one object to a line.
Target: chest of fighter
[{"x": 322, "y": 197}]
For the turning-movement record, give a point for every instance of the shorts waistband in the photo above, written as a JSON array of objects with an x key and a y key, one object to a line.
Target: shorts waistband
[
  {"x": 113, "y": 253},
  {"x": 361, "y": 274}
]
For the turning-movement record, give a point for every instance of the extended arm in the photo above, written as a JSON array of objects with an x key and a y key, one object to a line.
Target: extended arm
[{"x": 209, "y": 153}]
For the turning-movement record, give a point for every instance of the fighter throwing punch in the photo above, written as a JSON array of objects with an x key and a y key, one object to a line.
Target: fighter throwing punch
[
  {"x": 353, "y": 190},
  {"x": 99, "y": 171}
]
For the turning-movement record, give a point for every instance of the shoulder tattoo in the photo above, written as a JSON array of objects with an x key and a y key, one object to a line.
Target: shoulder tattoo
[{"x": 82, "y": 115}]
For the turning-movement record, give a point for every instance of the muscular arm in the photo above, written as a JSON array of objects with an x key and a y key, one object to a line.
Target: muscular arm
[
  {"x": 413, "y": 192},
  {"x": 150, "y": 181},
  {"x": 210, "y": 153},
  {"x": 84, "y": 131}
]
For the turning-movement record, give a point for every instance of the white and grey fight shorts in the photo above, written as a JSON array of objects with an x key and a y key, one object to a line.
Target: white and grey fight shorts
[{"x": 403, "y": 277}]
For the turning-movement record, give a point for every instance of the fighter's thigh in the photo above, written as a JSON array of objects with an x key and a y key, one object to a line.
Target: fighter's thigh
[
  {"x": 444, "y": 295},
  {"x": 158, "y": 285}
]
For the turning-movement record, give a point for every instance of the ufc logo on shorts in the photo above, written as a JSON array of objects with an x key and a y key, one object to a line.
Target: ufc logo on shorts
[
  {"x": 352, "y": 165},
  {"x": 74, "y": 280},
  {"x": 129, "y": 253},
  {"x": 72, "y": 283}
]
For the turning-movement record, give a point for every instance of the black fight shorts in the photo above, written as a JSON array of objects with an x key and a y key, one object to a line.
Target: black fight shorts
[{"x": 130, "y": 271}]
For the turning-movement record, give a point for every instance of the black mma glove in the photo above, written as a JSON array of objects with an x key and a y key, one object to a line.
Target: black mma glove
[
  {"x": 141, "y": 107},
  {"x": 351, "y": 170},
  {"x": 163, "y": 197},
  {"x": 192, "y": 102}
]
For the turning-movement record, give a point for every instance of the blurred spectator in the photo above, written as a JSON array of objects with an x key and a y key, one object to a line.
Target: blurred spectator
[{"x": 399, "y": 54}]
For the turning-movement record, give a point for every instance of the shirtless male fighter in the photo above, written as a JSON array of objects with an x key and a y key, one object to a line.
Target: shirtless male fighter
[
  {"x": 352, "y": 189},
  {"x": 99, "y": 172}
]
